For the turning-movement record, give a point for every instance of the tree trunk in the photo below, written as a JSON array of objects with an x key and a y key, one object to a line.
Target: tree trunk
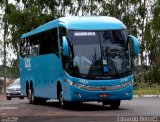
[
  {"x": 4, "y": 46},
  {"x": 143, "y": 46}
]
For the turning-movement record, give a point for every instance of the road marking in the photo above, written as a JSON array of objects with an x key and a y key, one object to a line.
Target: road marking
[{"x": 8, "y": 108}]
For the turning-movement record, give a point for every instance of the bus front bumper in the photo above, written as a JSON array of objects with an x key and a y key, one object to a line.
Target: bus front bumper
[{"x": 119, "y": 92}]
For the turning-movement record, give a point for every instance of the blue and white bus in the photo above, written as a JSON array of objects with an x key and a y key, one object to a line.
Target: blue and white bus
[{"x": 78, "y": 59}]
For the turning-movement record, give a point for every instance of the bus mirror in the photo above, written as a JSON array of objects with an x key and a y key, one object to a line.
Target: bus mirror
[
  {"x": 134, "y": 45},
  {"x": 65, "y": 46}
]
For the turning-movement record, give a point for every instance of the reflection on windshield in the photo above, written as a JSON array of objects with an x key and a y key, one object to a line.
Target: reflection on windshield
[
  {"x": 84, "y": 60},
  {"x": 101, "y": 53},
  {"x": 115, "y": 50}
]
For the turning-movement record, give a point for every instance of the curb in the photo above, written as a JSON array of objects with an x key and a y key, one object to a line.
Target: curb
[{"x": 146, "y": 96}]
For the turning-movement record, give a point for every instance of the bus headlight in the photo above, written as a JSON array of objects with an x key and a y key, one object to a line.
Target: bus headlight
[{"x": 75, "y": 84}]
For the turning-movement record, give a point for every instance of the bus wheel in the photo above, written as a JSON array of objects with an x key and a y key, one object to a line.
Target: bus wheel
[
  {"x": 32, "y": 98},
  {"x": 115, "y": 104},
  {"x": 41, "y": 100},
  {"x": 61, "y": 100}
]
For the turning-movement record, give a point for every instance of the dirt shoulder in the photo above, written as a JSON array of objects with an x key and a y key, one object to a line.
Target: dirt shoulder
[{"x": 2, "y": 96}]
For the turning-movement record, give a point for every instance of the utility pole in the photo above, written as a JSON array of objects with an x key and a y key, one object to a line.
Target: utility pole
[{"x": 4, "y": 46}]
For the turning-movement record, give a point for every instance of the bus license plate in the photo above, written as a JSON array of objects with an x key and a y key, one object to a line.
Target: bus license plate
[{"x": 104, "y": 95}]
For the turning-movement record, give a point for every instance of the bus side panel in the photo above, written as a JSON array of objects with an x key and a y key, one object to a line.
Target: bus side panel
[
  {"x": 43, "y": 71},
  {"x": 23, "y": 83}
]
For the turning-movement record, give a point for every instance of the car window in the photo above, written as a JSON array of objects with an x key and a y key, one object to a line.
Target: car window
[{"x": 16, "y": 82}]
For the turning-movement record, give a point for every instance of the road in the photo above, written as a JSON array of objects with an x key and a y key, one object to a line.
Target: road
[{"x": 146, "y": 109}]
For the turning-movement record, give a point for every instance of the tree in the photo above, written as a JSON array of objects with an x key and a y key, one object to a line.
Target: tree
[
  {"x": 22, "y": 20},
  {"x": 5, "y": 29},
  {"x": 153, "y": 43}
]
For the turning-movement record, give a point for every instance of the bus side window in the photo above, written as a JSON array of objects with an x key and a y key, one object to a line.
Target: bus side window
[
  {"x": 22, "y": 48},
  {"x": 49, "y": 42},
  {"x": 40, "y": 44},
  {"x": 55, "y": 42},
  {"x": 41, "y": 36},
  {"x": 25, "y": 48},
  {"x": 34, "y": 46}
]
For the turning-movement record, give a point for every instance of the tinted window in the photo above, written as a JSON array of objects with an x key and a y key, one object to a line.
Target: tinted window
[
  {"x": 48, "y": 42},
  {"x": 40, "y": 44}
]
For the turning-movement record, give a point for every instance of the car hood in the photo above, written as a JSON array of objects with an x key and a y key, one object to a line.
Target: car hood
[{"x": 14, "y": 87}]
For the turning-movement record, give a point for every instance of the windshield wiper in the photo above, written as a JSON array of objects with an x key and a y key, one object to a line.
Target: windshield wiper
[
  {"x": 94, "y": 58},
  {"x": 112, "y": 66},
  {"x": 111, "y": 63}
]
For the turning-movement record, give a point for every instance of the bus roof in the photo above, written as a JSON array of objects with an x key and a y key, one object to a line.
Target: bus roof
[{"x": 80, "y": 23}]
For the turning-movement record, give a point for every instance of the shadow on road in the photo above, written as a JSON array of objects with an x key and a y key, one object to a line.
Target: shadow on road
[{"x": 86, "y": 106}]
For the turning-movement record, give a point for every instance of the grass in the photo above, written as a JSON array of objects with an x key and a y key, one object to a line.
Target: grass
[{"x": 148, "y": 90}]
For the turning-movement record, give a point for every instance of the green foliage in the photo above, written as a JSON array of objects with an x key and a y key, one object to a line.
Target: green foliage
[
  {"x": 148, "y": 88},
  {"x": 152, "y": 37}
]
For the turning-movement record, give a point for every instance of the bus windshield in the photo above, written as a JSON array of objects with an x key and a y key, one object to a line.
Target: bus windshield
[{"x": 99, "y": 54}]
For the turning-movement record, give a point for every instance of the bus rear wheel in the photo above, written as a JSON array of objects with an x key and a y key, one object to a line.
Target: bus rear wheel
[{"x": 32, "y": 98}]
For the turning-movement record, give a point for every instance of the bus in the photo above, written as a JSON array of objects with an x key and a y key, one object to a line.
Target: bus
[{"x": 78, "y": 59}]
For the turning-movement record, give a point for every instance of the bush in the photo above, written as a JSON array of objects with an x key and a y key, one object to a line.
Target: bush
[
  {"x": 136, "y": 83},
  {"x": 146, "y": 88}
]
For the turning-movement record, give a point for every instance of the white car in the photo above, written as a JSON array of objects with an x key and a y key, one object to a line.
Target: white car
[{"x": 14, "y": 90}]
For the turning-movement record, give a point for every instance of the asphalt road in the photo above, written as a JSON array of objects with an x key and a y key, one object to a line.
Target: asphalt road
[{"x": 138, "y": 109}]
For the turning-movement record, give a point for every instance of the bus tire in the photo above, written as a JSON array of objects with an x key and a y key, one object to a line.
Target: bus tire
[
  {"x": 63, "y": 103},
  {"x": 27, "y": 90},
  {"x": 115, "y": 104},
  {"x": 32, "y": 98},
  {"x": 41, "y": 100}
]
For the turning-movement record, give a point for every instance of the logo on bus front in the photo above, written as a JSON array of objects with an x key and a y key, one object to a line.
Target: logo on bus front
[
  {"x": 104, "y": 88},
  {"x": 27, "y": 63},
  {"x": 83, "y": 81}
]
